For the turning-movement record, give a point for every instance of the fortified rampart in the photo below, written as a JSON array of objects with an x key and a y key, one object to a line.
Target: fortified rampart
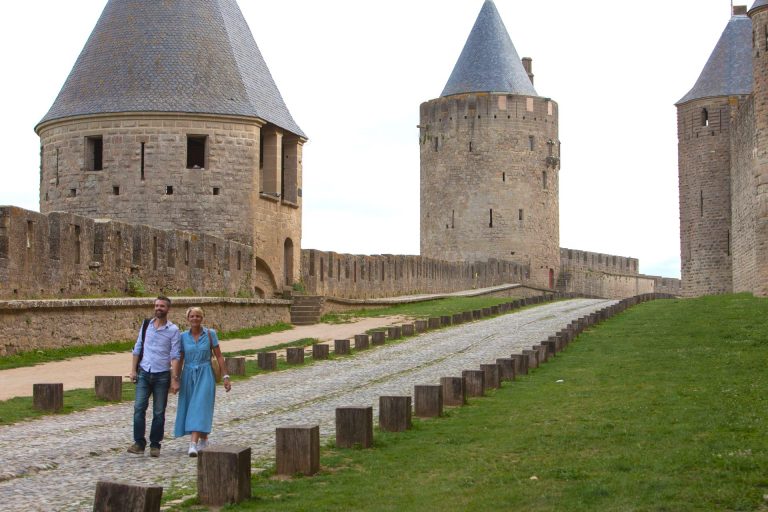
[
  {"x": 66, "y": 255},
  {"x": 361, "y": 277}
]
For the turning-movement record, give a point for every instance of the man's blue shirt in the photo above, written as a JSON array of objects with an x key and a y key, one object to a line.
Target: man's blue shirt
[{"x": 162, "y": 346}]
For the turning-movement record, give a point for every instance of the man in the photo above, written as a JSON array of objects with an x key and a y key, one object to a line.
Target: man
[{"x": 155, "y": 370}]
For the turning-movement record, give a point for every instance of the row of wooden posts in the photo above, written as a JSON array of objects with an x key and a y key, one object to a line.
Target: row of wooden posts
[{"x": 224, "y": 473}]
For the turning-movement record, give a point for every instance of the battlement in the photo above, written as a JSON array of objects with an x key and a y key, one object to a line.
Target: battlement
[
  {"x": 595, "y": 261},
  {"x": 489, "y": 107},
  {"x": 66, "y": 255}
]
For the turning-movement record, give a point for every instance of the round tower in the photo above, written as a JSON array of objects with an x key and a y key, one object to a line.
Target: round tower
[
  {"x": 704, "y": 161},
  {"x": 490, "y": 160},
  {"x": 759, "y": 16},
  {"x": 168, "y": 120}
]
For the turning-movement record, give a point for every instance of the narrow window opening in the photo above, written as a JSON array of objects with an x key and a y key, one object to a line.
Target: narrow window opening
[
  {"x": 115, "y": 191},
  {"x": 57, "y": 167},
  {"x": 154, "y": 253},
  {"x": 196, "y": 151},
  {"x": 437, "y": 142},
  {"x": 701, "y": 203},
  {"x": 504, "y": 177},
  {"x": 728, "y": 243},
  {"x": 261, "y": 149},
  {"x": 169, "y": 190},
  {"x": 520, "y": 214},
  {"x": 171, "y": 255},
  {"x": 490, "y": 218},
  {"x": 239, "y": 261},
  {"x": 94, "y": 148},
  {"x": 30, "y": 231},
  {"x": 544, "y": 179},
  {"x": 453, "y": 219},
  {"x": 216, "y": 191},
  {"x": 470, "y": 146},
  {"x": 704, "y": 117},
  {"x": 77, "y": 245},
  {"x": 186, "y": 252},
  {"x": 42, "y": 157},
  {"x": 142, "y": 160},
  {"x": 765, "y": 32},
  {"x": 531, "y": 142},
  {"x": 73, "y": 192}
]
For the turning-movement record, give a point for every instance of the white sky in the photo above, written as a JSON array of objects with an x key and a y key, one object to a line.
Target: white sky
[{"x": 353, "y": 74}]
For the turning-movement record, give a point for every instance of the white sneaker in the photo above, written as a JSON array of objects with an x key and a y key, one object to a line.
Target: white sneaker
[{"x": 192, "y": 452}]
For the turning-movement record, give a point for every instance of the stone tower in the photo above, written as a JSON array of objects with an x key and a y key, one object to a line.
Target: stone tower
[
  {"x": 171, "y": 118},
  {"x": 704, "y": 158},
  {"x": 490, "y": 160},
  {"x": 752, "y": 254}
]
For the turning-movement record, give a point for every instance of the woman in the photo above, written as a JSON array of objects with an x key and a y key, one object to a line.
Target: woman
[{"x": 198, "y": 385}]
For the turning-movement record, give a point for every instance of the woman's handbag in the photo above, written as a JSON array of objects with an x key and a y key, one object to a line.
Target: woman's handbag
[{"x": 214, "y": 362}]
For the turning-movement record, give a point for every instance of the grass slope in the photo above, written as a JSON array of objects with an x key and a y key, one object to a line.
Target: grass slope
[{"x": 662, "y": 408}]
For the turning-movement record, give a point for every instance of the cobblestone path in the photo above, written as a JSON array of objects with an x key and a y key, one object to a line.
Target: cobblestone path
[{"x": 54, "y": 463}]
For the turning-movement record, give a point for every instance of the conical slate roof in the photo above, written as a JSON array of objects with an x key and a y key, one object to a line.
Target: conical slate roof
[
  {"x": 489, "y": 61},
  {"x": 728, "y": 71},
  {"x": 758, "y": 3},
  {"x": 192, "y": 56}
]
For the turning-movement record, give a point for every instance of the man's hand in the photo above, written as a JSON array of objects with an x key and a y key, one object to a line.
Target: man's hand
[
  {"x": 134, "y": 377},
  {"x": 175, "y": 386}
]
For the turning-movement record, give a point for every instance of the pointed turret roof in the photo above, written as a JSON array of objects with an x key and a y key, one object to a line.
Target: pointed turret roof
[
  {"x": 728, "y": 71},
  {"x": 489, "y": 61},
  {"x": 192, "y": 56},
  {"x": 758, "y": 3}
]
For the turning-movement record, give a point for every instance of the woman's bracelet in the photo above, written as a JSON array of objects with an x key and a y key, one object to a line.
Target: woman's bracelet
[{"x": 225, "y": 377}]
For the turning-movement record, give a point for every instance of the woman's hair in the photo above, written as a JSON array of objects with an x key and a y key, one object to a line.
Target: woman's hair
[{"x": 195, "y": 309}]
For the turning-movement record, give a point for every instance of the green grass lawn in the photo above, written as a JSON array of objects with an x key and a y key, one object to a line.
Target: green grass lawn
[
  {"x": 662, "y": 408},
  {"x": 431, "y": 308}
]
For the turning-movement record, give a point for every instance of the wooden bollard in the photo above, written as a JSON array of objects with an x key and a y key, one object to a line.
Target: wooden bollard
[
  {"x": 408, "y": 329},
  {"x": 506, "y": 368},
  {"x": 421, "y": 325},
  {"x": 267, "y": 360},
  {"x": 320, "y": 351},
  {"x": 494, "y": 310},
  {"x": 394, "y": 413},
  {"x": 445, "y": 320},
  {"x": 474, "y": 382},
  {"x": 521, "y": 364},
  {"x": 434, "y": 323},
  {"x": 486, "y": 312},
  {"x": 428, "y": 401},
  {"x": 551, "y": 346},
  {"x": 294, "y": 355},
  {"x": 477, "y": 314},
  {"x": 234, "y": 365},
  {"x": 466, "y": 316},
  {"x": 122, "y": 497},
  {"x": 378, "y": 337},
  {"x": 354, "y": 427},
  {"x": 492, "y": 376},
  {"x": 362, "y": 342},
  {"x": 457, "y": 319},
  {"x": 454, "y": 394},
  {"x": 223, "y": 475},
  {"x": 109, "y": 387},
  {"x": 48, "y": 397},
  {"x": 542, "y": 349},
  {"x": 341, "y": 347},
  {"x": 297, "y": 450},
  {"x": 533, "y": 358},
  {"x": 394, "y": 332}
]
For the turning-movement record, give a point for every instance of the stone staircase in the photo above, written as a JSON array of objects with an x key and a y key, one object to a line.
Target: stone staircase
[{"x": 306, "y": 309}]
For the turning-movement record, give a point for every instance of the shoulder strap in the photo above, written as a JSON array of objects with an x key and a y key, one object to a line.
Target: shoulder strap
[{"x": 144, "y": 326}]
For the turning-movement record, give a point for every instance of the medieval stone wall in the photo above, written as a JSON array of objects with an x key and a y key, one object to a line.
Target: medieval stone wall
[
  {"x": 584, "y": 260},
  {"x": 47, "y": 324},
  {"x": 66, "y": 255},
  {"x": 743, "y": 186},
  {"x": 489, "y": 181},
  {"x": 359, "y": 277},
  {"x": 704, "y": 140}
]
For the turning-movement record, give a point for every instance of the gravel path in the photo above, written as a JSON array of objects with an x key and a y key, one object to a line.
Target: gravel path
[{"x": 54, "y": 463}]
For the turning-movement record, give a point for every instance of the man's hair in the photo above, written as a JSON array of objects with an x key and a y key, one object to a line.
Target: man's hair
[{"x": 164, "y": 299}]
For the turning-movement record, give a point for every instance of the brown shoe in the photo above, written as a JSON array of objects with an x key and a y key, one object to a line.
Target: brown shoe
[
  {"x": 154, "y": 451},
  {"x": 136, "y": 448}
]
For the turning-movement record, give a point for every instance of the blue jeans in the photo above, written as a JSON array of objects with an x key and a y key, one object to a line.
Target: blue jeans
[{"x": 155, "y": 384}]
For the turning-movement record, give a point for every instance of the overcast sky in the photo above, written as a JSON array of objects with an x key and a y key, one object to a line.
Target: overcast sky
[{"x": 353, "y": 74}]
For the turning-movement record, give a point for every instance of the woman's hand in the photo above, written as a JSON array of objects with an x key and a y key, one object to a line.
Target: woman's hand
[{"x": 227, "y": 384}]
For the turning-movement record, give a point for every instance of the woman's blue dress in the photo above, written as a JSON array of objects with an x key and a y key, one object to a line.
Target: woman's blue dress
[{"x": 198, "y": 386}]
